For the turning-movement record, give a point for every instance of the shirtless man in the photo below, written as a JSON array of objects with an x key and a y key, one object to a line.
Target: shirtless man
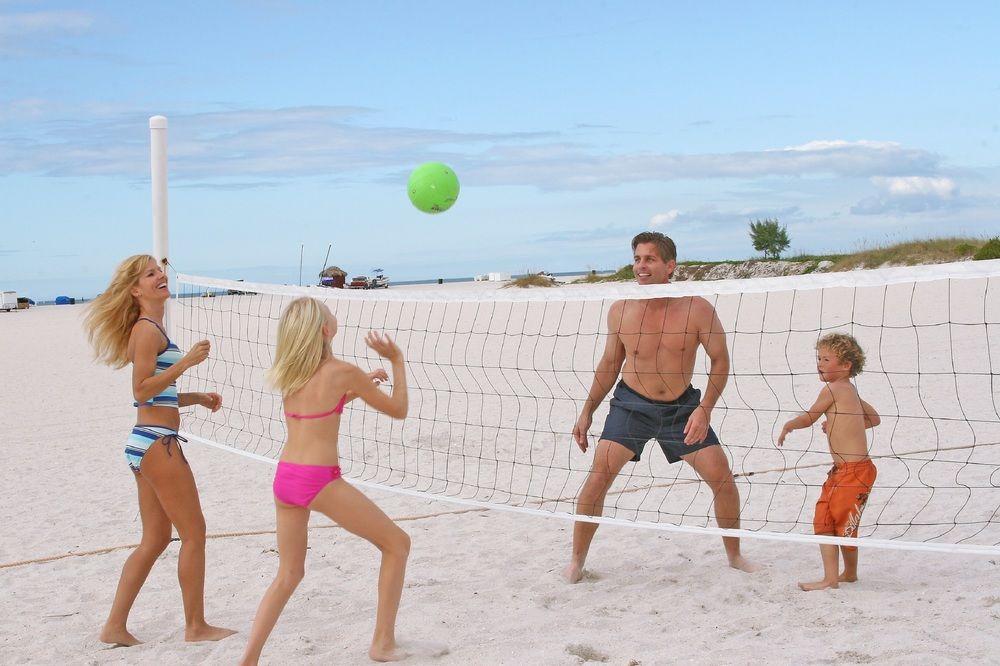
[{"x": 657, "y": 339}]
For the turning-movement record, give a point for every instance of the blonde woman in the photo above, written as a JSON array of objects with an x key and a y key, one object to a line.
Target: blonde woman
[
  {"x": 125, "y": 325},
  {"x": 315, "y": 387}
]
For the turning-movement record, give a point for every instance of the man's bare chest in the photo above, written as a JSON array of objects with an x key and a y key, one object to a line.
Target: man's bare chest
[{"x": 651, "y": 331}]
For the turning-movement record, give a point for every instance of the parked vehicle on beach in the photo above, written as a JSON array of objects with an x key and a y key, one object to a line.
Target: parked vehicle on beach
[
  {"x": 8, "y": 301},
  {"x": 237, "y": 292},
  {"x": 380, "y": 281},
  {"x": 359, "y": 282},
  {"x": 492, "y": 277}
]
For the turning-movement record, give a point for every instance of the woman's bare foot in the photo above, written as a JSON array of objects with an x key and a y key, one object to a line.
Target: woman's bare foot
[
  {"x": 848, "y": 577},
  {"x": 573, "y": 573},
  {"x": 118, "y": 637},
  {"x": 206, "y": 632},
  {"x": 819, "y": 585},
  {"x": 384, "y": 653},
  {"x": 405, "y": 649},
  {"x": 743, "y": 564}
]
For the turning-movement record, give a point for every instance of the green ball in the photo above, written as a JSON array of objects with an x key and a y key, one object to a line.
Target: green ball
[{"x": 433, "y": 187}]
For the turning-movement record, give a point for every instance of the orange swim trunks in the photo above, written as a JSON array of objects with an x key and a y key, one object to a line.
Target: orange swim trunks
[{"x": 838, "y": 511}]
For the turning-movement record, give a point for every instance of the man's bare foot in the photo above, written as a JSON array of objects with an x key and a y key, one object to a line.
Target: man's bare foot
[
  {"x": 118, "y": 637},
  {"x": 573, "y": 573},
  {"x": 819, "y": 585},
  {"x": 848, "y": 578},
  {"x": 206, "y": 632},
  {"x": 743, "y": 564}
]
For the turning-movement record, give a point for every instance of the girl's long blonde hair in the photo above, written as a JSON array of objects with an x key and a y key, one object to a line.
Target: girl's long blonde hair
[
  {"x": 111, "y": 315},
  {"x": 301, "y": 347}
]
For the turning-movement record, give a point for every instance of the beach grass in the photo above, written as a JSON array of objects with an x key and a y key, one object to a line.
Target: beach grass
[
  {"x": 911, "y": 253},
  {"x": 622, "y": 274},
  {"x": 526, "y": 281},
  {"x": 905, "y": 253}
]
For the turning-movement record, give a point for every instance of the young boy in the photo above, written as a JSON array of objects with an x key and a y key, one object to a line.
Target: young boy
[{"x": 838, "y": 512}]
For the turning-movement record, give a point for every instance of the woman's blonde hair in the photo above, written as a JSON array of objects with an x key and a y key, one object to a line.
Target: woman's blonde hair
[
  {"x": 301, "y": 347},
  {"x": 111, "y": 315}
]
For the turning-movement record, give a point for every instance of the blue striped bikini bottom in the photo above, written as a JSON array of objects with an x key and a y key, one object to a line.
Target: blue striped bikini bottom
[{"x": 143, "y": 436}]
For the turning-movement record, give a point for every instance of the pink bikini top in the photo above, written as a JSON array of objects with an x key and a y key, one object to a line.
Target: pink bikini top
[{"x": 322, "y": 415}]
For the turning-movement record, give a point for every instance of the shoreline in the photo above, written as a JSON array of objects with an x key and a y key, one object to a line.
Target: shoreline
[
  {"x": 401, "y": 283},
  {"x": 701, "y": 271}
]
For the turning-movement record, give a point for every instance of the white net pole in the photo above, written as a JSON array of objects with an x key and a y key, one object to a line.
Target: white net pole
[
  {"x": 158, "y": 181},
  {"x": 158, "y": 173}
]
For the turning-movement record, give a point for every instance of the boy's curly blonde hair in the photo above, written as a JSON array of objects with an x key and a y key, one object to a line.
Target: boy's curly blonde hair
[{"x": 846, "y": 348}]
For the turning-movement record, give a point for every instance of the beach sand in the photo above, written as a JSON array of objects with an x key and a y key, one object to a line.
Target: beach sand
[{"x": 486, "y": 583}]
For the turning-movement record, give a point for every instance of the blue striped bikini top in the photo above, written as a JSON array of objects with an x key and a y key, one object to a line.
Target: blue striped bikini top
[{"x": 172, "y": 354}]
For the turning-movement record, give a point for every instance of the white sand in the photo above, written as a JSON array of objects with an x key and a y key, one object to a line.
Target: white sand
[{"x": 486, "y": 583}]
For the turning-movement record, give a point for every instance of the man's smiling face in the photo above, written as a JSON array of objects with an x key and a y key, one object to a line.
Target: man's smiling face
[{"x": 649, "y": 266}]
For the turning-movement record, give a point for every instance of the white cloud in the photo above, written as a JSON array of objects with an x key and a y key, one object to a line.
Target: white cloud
[
  {"x": 563, "y": 166},
  {"x": 909, "y": 194},
  {"x": 253, "y": 145},
  {"x": 924, "y": 186},
  {"x": 836, "y": 144},
  {"x": 323, "y": 141},
  {"x": 18, "y": 109},
  {"x": 661, "y": 219},
  {"x": 703, "y": 232},
  {"x": 25, "y": 23},
  {"x": 24, "y": 34}
]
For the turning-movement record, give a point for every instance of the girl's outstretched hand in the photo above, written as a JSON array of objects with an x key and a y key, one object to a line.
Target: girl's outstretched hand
[
  {"x": 383, "y": 345},
  {"x": 378, "y": 376},
  {"x": 785, "y": 429}
]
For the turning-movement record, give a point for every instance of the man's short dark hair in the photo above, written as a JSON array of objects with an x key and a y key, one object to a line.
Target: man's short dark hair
[{"x": 665, "y": 246}]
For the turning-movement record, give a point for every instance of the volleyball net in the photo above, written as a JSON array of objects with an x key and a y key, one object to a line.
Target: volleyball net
[{"x": 497, "y": 379}]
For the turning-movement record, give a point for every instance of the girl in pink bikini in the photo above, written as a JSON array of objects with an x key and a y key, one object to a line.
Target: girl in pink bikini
[{"x": 315, "y": 387}]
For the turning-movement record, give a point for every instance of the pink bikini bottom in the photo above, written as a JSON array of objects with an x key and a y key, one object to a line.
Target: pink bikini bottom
[{"x": 298, "y": 485}]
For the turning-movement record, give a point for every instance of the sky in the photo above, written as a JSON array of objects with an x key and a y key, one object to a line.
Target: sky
[{"x": 572, "y": 126}]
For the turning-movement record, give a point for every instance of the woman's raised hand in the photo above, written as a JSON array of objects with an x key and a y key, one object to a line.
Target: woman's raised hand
[
  {"x": 383, "y": 345},
  {"x": 197, "y": 353}
]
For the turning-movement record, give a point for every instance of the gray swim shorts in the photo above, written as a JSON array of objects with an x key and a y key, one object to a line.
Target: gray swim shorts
[{"x": 635, "y": 419}]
